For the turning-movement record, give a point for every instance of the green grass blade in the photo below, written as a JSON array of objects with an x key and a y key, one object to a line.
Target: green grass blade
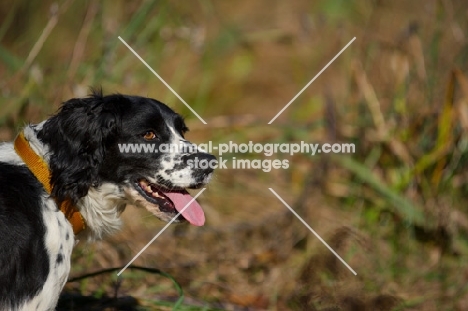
[
  {"x": 13, "y": 63},
  {"x": 401, "y": 205}
]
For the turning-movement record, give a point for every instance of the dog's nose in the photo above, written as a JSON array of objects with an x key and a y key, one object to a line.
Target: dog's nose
[{"x": 202, "y": 162}]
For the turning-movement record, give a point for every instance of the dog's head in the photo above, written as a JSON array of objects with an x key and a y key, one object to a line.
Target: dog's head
[{"x": 133, "y": 142}]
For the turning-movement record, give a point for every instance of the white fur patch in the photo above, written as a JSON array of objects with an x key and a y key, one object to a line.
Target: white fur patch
[
  {"x": 30, "y": 133},
  {"x": 8, "y": 154},
  {"x": 183, "y": 177},
  {"x": 57, "y": 229},
  {"x": 101, "y": 209}
]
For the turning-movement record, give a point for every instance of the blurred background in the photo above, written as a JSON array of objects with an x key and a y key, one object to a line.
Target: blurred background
[{"x": 395, "y": 210}]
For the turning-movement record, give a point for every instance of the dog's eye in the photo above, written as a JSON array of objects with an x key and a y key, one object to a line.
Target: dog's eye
[{"x": 149, "y": 135}]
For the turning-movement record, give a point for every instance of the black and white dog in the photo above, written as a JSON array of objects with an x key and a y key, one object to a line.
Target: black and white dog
[{"x": 69, "y": 173}]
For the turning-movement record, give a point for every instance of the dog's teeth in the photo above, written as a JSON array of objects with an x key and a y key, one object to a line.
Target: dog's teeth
[{"x": 145, "y": 186}]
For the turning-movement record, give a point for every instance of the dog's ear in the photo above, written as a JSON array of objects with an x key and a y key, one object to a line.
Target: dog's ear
[{"x": 77, "y": 137}]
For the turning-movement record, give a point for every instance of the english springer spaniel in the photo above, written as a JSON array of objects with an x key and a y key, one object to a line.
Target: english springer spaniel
[{"x": 68, "y": 176}]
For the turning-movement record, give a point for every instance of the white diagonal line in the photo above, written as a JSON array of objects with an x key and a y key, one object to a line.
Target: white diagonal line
[
  {"x": 313, "y": 79},
  {"x": 313, "y": 231},
  {"x": 162, "y": 80},
  {"x": 160, "y": 232}
]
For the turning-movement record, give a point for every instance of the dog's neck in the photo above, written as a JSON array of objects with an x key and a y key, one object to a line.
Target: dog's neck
[
  {"x": 40, "y": 170},
  {"x": 100, "y": 208}
]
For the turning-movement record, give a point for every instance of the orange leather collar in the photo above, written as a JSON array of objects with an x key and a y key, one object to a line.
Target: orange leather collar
[{"x": 41, "y": 170}]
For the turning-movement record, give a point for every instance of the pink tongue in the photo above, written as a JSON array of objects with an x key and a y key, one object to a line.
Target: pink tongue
[{"x": 193, "y": 213}]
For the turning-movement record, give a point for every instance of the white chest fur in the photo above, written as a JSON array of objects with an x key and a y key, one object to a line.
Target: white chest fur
[{"x": 59, "y": 242}]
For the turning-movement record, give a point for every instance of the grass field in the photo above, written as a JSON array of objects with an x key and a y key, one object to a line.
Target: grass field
[{"x": 395, "y": 210}]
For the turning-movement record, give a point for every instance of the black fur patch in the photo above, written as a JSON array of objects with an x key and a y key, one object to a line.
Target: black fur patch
[
  {"x": 24, "y": 262},
  {"x": 59, "y": 259}
]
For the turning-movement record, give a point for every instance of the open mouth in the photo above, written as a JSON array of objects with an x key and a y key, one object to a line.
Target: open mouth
[{"x": 172, "y": 201}]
